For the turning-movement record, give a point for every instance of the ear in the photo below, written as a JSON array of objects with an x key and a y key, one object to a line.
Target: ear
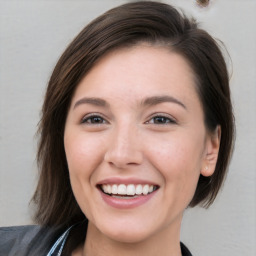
[{"x": 212, "y": 152}]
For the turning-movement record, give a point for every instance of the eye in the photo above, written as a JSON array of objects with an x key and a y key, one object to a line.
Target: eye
[
  {"x": 160, "y": 119},
  {"x": 93, "y": 119}
]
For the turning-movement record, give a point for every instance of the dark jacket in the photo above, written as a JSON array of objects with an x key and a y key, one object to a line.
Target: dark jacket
[
  {"x": 34, "y": 241},
  {"x": 14, "y": 240},
  {"x": 28, "y": 240}
]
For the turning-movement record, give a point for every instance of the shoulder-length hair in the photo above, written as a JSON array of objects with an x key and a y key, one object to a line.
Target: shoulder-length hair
[{"x": 124, "y": 26}]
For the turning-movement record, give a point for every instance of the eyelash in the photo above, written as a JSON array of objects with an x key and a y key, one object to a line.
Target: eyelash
[
  {"x": 91, "y": 117},
  {"x": 167, "y": 120},
  {"x": 164, "y": 120}
]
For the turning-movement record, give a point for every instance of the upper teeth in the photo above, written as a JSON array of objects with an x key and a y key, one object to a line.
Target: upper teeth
[{"x": 129, "y": 189}]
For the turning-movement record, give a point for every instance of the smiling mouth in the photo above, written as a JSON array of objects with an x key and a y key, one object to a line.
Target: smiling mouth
[{"x": 127, "y": 191}]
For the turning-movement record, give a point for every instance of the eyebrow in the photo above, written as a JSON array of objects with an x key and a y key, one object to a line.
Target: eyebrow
[
  {"x": 151, "y": 101},
  {"x": 92, "y": 101}
]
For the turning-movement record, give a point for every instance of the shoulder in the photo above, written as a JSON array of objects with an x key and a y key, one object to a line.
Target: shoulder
[{"x": 17, "y": 240}]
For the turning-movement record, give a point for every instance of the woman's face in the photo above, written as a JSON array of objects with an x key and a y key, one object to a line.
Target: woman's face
[{"x": 135, "y": 125}]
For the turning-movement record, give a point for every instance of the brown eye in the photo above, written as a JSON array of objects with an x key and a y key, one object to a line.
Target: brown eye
[
  {"x": 161, "y": 120},
  {"x": 203, "y": 3},
  {"x": 93, "y": 120}
]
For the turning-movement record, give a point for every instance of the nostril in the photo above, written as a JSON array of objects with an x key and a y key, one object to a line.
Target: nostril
[{"x": 123, "y": 157}]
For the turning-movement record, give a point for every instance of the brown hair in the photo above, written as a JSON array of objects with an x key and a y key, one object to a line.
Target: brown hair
[{"x": 126, "y": 25}]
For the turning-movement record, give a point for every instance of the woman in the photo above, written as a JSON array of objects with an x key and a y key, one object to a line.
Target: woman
[{"x": 136, "y": 126}]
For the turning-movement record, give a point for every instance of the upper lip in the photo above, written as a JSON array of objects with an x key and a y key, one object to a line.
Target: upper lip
[{"x": 116, "y": 180}]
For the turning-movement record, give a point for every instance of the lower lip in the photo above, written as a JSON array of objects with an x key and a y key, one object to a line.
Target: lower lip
[{"x": 126, "y": 203}]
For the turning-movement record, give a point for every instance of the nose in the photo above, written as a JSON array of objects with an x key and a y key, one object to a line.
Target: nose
[{"x": 124, "y": 148}]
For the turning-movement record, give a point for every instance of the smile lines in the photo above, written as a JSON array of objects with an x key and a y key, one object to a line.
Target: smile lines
[{"x": 128, "y": 190}]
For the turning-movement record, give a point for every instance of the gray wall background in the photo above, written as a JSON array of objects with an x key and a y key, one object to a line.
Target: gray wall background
[{"x": 33, "y": 34}]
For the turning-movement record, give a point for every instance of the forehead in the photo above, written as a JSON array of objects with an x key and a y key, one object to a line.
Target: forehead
[{"x": 137, "y": 72}]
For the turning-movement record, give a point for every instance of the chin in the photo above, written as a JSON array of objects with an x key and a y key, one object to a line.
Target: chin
[
  {"x": 126, "y": 232},
  {"x": 127, "y": 236}
]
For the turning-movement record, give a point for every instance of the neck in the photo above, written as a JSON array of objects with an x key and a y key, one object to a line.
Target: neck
[{"x": 165, "y": 243}]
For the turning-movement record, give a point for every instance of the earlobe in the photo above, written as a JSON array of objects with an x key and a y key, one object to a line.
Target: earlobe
[{"x": 212, "y": 152}]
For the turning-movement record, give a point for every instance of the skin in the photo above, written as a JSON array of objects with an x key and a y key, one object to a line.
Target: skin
[{"x": 163, "y": 142}]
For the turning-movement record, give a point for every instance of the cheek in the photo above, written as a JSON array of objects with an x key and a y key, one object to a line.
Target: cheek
[
  {"x": 83, "y": 153},
  {"x": 175, "y": 153},
  {"x": 178, "y": 158}
]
